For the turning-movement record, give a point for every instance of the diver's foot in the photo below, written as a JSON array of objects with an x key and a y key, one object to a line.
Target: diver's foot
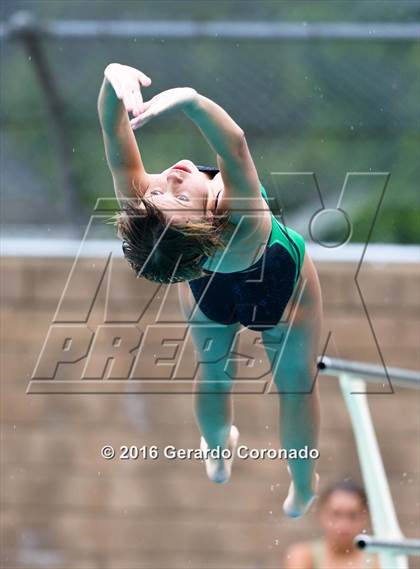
[
  {"x": 219, "y": 470},
  {"x": 295, "y": 505}
]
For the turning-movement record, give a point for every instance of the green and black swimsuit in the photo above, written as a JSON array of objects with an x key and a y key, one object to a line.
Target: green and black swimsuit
[{"x": 257, "y": 296}]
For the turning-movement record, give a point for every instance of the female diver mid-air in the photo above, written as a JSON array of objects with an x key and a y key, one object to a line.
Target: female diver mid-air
[{"x": 197, "y": 226}]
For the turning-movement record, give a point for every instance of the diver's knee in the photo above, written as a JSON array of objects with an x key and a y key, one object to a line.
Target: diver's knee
[
  {"x": 295, "y": 378},
  {"x": 215, "y": 381}
]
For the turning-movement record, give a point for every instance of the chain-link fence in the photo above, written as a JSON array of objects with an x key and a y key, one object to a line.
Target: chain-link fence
[{"x": 325, "y": 98}]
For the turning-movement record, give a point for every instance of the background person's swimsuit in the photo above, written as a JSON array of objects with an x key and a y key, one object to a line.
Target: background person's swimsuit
[
  {"x": 319, "y": 556},
  {"x": 257, "y": 296}
]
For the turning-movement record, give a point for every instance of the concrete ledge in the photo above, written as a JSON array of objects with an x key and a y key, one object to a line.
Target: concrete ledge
[{"x": 62, "y": 248}]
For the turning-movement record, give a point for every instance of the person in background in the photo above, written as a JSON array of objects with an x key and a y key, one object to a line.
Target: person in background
[{"x": 343, "y": 514}]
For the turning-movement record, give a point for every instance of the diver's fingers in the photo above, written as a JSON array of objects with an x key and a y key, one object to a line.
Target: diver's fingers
[
  {"x": 137, "y": 99},
  {"x": 142, "y": 119},
  {"x": 144, "y": 79}
]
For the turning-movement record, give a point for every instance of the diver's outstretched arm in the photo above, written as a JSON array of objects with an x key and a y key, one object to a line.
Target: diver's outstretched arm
[
  {"x": 119, "y": 94},
  {"x": 240, "y": 177},
  {"x": 223, "y": 134}
]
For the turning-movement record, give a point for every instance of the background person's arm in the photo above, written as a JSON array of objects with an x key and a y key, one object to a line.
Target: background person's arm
[
  {"x": 119, "y": 94},
  {"x": 298, "y": 556}
]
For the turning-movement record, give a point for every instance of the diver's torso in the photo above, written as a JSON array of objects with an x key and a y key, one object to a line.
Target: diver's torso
[{"x": 256, "y": 278}]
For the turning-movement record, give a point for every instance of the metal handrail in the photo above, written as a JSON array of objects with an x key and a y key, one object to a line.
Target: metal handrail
[
  {"x": 396, "y": 546},
  {"x": 369, "y": 372}
]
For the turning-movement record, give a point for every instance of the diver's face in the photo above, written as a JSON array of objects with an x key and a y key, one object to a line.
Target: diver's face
[
  {"x": 343, "y": 517},
  {"x": 181, "y": 191}
]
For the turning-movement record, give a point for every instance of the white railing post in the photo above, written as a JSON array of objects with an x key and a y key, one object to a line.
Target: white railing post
[{"x": 384, "y": 519}]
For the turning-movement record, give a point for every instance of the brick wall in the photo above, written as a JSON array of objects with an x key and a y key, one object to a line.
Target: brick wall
[{"x": 66, "y": 508}]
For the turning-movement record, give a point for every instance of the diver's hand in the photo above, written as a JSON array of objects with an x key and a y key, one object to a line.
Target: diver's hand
[
  {"x": 126, "y": 82},
  {"x": 164, "y": 102}
]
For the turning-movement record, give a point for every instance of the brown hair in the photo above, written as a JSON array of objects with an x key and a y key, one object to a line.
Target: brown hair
[
  {"x": 346, "y": 485},
  {"x": 167, "y": 252}
]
